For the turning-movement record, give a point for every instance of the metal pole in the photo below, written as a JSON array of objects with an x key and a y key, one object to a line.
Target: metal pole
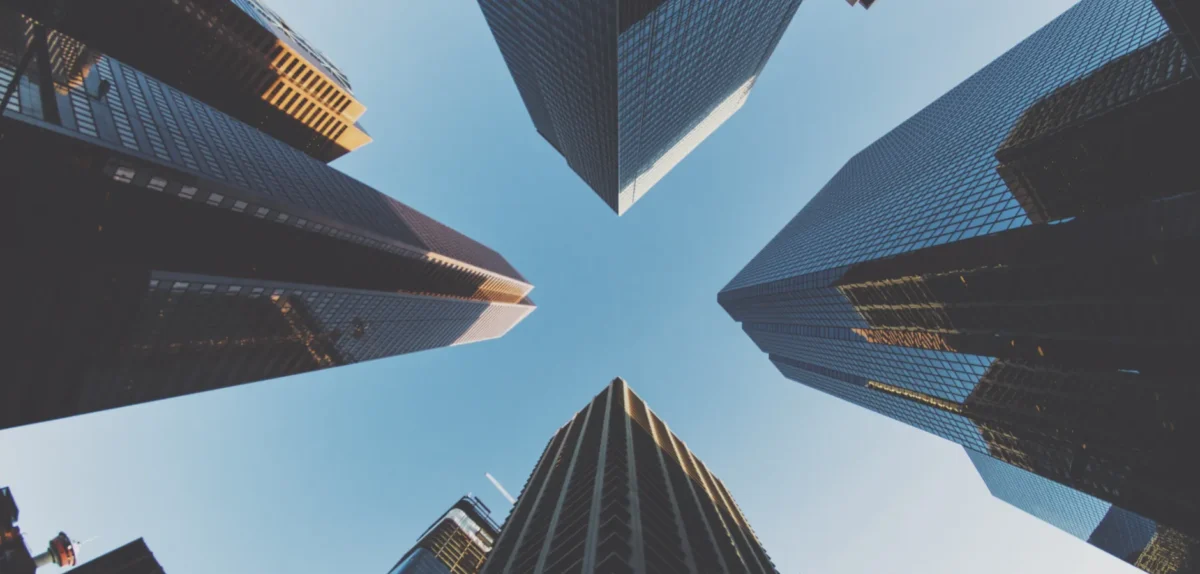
[{"x": 20, "y": 71}]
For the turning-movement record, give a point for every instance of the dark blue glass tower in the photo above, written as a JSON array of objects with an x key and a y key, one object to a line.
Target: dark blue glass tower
[
  {"x": 625, "y": 90},
  {"x": 164, "y": 247},
  {"x": 1010, "y": 268},
  {"x": 1121, "y": 533}
]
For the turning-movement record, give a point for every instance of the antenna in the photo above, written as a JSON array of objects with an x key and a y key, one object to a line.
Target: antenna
[{"x": 500, "y": 487}]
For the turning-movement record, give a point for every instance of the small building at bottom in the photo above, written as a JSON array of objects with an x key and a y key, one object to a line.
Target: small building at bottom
[
  {"x": 15, "y": 557},
  {"x": 458, "y": 543}
]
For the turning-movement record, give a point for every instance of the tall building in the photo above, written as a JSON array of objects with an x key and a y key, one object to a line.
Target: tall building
[
  {"x": 165, "y": 248},
  {"x": 1010, "y": 268},
  {"x": 237, "y": 56},
  {"x": 616, "y": 491},
  {"x": 15, "y": 557},
  {"x": 458, "y": 543},
  {"x": 132, "y": 558},
  {"x": 625, "y": 90},
  {"x": 1133, "y": 538}
]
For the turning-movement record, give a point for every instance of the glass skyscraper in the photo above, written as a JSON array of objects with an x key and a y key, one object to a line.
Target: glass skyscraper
[
  {"x": 458, "y": 543},
  {"x": 132, "y": 558},
  {"x": 1010, "y": 268},
  {"x": 1126, "y": 535},
  {"x": 237, "y": 56},
  {"x": 163, "y": 247},
  {"x": 625, "y": 90},
  {"x": 616, "y": 491}
]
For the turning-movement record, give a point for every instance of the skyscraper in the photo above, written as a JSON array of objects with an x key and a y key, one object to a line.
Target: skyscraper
[
  {"x": 457, "y": 543},
  {"x": 164, "y": 248},
  {"x": 616, "y": 491},
  {"x": 15, "y": 557},
  {"x": 1009, "y": 269},
  {"x": 1135, "y": 539},
  {"x": 132, "y": 558},
  {"x": 237, "y": 56},
  {"x": 625, "y": 90}
]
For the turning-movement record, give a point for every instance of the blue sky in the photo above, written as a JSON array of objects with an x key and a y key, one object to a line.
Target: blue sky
[{"x": 340, "y": 471}]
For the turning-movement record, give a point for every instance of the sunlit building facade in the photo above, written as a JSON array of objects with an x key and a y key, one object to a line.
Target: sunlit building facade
[
  {"x": 458, "y": 543},
  {"x": 237, "y": 56},
  {"x": 1135, "y": 539},
  {"x": 616, "y": 491},
  {"x": 165, "y": 248},
  {"x": 1009, "y": 269},
  {"x": 626, "y": 90}
]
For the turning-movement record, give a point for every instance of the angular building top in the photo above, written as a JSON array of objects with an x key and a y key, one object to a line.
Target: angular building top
[
  {"x": 626, "y": 90},
  {"x": 616, "y": 491},
  {"x": 132, "y": 558},
  {"x": 1128, "y": 536},
  {"x": 170, "y": 248},
  {"x": 458, "y": 543},
  {"x": 235, "y": 55}
]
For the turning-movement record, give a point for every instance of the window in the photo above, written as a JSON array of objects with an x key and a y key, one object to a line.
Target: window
[{"x": 124, "y": 174}]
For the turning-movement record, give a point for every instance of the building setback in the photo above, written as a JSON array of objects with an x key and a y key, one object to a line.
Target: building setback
[
  {"x": 165, "y": 248},
  {"x": 1010, "y": 268},
  {"x": 458, "y": 543},
  {"x": 237, "y": 56},
  {"x": 616, "y": 491},
  {"x": 1130, "y": 537},
  {"x": 626, "y": 90}
]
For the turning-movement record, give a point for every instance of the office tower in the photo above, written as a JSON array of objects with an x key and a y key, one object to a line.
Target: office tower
[
  {"x": 237, "y": 56},
  {"x": 863, "y": 3},
  {"x": 132, "y": 558},
  {"x": 1135, "y": 539},
  {"x": 625, "y": 90},
  {"x": 457, "y": 543},
  {"x": 1010, "y": 268},
  {"x": 164, "y": 248},
  {"x": 616, "y": 491}
]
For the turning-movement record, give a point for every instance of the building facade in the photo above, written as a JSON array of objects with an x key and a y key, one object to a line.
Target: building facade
[
  {"x": 626, "y": 90},
  {"x": 616, "y": 491},
  {"x": 237, "y": 56},
  {"x": 458, "y": 543},
  {"x": 166, "y": 248},
  {"x": 132, "y": 558},
  {"x": 1009, "y": 269},
  {"x": 1135, "y": 539}
]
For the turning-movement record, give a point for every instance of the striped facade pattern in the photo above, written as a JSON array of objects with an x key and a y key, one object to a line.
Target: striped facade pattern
[{"x": 616, "y": 491}]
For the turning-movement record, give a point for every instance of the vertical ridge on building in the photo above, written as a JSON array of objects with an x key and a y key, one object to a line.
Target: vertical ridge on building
[{"x": 624, "y": 90}]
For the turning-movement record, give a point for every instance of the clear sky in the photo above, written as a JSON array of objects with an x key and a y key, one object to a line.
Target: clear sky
[{"x": 340, "y": 471}]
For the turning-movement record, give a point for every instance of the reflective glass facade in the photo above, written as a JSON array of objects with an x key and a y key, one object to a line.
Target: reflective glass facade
[
  {"x": 167, "y": 248},
  {"x": 625, "y": 90},
  {"x": 1126, "y": 535},
  {"x": 1008, "y": 269},
  {"x": 617, "y": 491},
  {"x": 237, "y": 56},
  {"x": 458, "y": 543}
]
